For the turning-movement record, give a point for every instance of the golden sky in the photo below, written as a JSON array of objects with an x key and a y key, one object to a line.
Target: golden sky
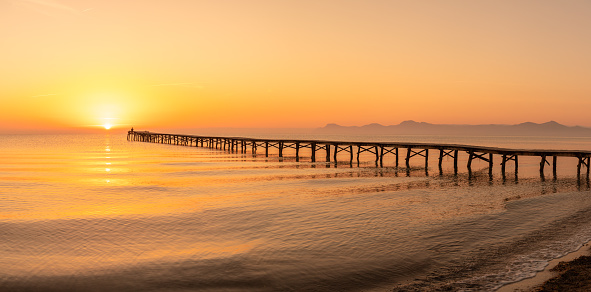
[{"x": 278, "y": 63}]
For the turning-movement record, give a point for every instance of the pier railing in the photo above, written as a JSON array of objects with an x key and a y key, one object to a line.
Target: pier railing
[{"x": 379, "y": 149}]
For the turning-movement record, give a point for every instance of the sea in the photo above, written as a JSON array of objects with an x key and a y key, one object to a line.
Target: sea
[{"x": 96, "y": 212}]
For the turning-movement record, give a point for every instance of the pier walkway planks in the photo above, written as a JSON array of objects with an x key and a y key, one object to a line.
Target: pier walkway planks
[{"x": 379, "y": 149}]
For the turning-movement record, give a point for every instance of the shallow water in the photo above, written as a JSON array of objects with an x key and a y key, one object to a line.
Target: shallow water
[{"x": 99, "y": 213}]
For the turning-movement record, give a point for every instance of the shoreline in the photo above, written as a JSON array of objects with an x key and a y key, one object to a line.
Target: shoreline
[{"x": 542, "y": 277}]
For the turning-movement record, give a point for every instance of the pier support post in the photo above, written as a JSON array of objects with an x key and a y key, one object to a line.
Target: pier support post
[
  {"x": 503, "y": 164},
  {"x": 426, "y": 159},
  {"x": 313, "y": 146},
  {"x": 336, "y": 151},
  {"x": 351, "y": 154},
  {"x": 554, "y": 161},
  {"x": 327, "y": 152},
  {"x": 297, "y": 146},
  {"x": 456, "y": 161},
  {"x": 543, "y": 162},
  {"x": 470, "y": 157},
  {"x": 408, "y": 157},
  {"x": 280, "y": 149},
  {"x": 375, "y": 148},
  {"x": 440, "y": 161},
  {"x": 490, "y": 164},
  {"x": 266, "y": 148},
  {"x": 583, "y": 161}
]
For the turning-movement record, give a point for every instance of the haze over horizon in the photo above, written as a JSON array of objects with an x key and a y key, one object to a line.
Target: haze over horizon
[{"x": 90, "y": 64}]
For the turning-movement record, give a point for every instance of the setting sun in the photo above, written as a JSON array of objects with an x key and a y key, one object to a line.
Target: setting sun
[{"x": 107, "y": 126}]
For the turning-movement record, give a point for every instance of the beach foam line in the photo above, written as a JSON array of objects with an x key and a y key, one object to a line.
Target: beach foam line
[{"x": 541, "y": 277}]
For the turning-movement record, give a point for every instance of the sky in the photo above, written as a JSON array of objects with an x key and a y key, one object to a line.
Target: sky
[{"x": 85, "y": 64}]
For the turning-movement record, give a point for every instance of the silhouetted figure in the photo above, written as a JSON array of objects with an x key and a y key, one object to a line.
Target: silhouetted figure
[{"x": 132, "y": 129}]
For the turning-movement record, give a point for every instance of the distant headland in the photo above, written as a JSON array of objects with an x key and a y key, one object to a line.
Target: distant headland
[{"x": 410, "y": 127}]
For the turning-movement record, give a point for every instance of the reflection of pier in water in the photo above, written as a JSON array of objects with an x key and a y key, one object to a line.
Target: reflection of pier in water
[{"x": 379, "y": 149}]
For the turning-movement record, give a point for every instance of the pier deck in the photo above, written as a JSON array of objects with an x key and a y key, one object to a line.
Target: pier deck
[{"x": 379, "y": 149}]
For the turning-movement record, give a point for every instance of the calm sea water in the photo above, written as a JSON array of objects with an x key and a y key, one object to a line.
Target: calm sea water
[{"x": 99, "y": 213}]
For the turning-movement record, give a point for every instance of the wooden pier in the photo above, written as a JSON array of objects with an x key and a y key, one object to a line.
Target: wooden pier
[{"x": 378, "y": 149}]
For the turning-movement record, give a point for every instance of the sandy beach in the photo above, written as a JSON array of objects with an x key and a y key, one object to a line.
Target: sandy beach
[{"x": 569, "y": 273}]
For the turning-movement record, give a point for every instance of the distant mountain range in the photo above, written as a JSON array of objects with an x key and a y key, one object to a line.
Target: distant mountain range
[{"x": 551, "y": 128}]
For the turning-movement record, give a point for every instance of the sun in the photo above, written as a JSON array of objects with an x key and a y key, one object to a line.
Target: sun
[{"x": 107, "y": 126}]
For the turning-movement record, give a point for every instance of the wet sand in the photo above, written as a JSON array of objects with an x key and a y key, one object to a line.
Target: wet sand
[{"x": 569, "y": 273}]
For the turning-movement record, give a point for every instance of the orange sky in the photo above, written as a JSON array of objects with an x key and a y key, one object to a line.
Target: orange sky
[{"x": 278, "y": 63}]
